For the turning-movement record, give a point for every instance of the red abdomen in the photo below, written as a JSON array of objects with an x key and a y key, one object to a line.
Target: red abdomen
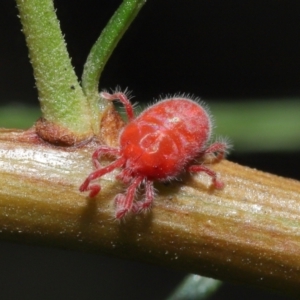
[{"x": 165, "y": 138}]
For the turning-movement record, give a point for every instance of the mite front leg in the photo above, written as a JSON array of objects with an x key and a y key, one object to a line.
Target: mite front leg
[
  {"x": 122, "y": 97},
  {"x": 96, "y": 188},
  {"x": 103, "y": 150}
]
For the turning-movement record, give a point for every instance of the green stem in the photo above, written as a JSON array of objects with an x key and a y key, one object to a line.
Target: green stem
[
  {"x": 104, "y": 47},
  {"x": 62, "y": 100}
]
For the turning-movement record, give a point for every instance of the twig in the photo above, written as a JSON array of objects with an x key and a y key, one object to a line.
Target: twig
[{"x": 248, "y": 232}]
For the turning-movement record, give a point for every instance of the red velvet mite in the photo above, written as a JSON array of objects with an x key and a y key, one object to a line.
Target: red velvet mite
[{"x": 161, "y": 143}]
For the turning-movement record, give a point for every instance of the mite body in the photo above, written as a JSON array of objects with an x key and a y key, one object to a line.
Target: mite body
[{"x": 160, "y": 144}]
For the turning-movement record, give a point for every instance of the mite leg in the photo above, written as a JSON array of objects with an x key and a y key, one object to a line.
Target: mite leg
[
  {"x": 95, "y": 188},
  {"x": 124, "y": 203},
  {"x": 123, "y": 99},
  {"x": 220, "y": 148},
  {"x": 103, "y": 150},
  {"x": 218, "y": 184},
  {"x": 125, "y": 176},
  {"x": 141, "y": 206}
]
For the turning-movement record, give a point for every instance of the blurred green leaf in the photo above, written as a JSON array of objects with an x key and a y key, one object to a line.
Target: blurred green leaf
[
  {"x": 18, "y": 116},
  {"x": 255, "y": 125},
  {"x": 251, "y": 126}
]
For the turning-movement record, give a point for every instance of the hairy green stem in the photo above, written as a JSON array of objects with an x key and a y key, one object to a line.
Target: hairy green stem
[
  {"x": 103, "y": 48},
  {"x": 61, "y": 97}
]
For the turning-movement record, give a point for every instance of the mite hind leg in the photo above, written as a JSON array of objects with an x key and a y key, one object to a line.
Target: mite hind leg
[{"x": 217, "y": 183}]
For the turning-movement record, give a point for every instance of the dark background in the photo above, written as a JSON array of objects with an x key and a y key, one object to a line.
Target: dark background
[
  {"x": 219, "y": 50},
  {"x": 213, "y": 49}
]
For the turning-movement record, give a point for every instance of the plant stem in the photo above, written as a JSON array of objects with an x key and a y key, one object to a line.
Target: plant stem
[
  {"x": 103, "y": 48},
  {"x": 248, "y": 232},
  {"x": 62, "y": 100},
  {"x": 195, "y": 287}
]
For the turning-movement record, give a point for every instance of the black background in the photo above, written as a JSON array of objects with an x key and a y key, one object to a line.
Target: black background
[{"x": 225, "y": 50}]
